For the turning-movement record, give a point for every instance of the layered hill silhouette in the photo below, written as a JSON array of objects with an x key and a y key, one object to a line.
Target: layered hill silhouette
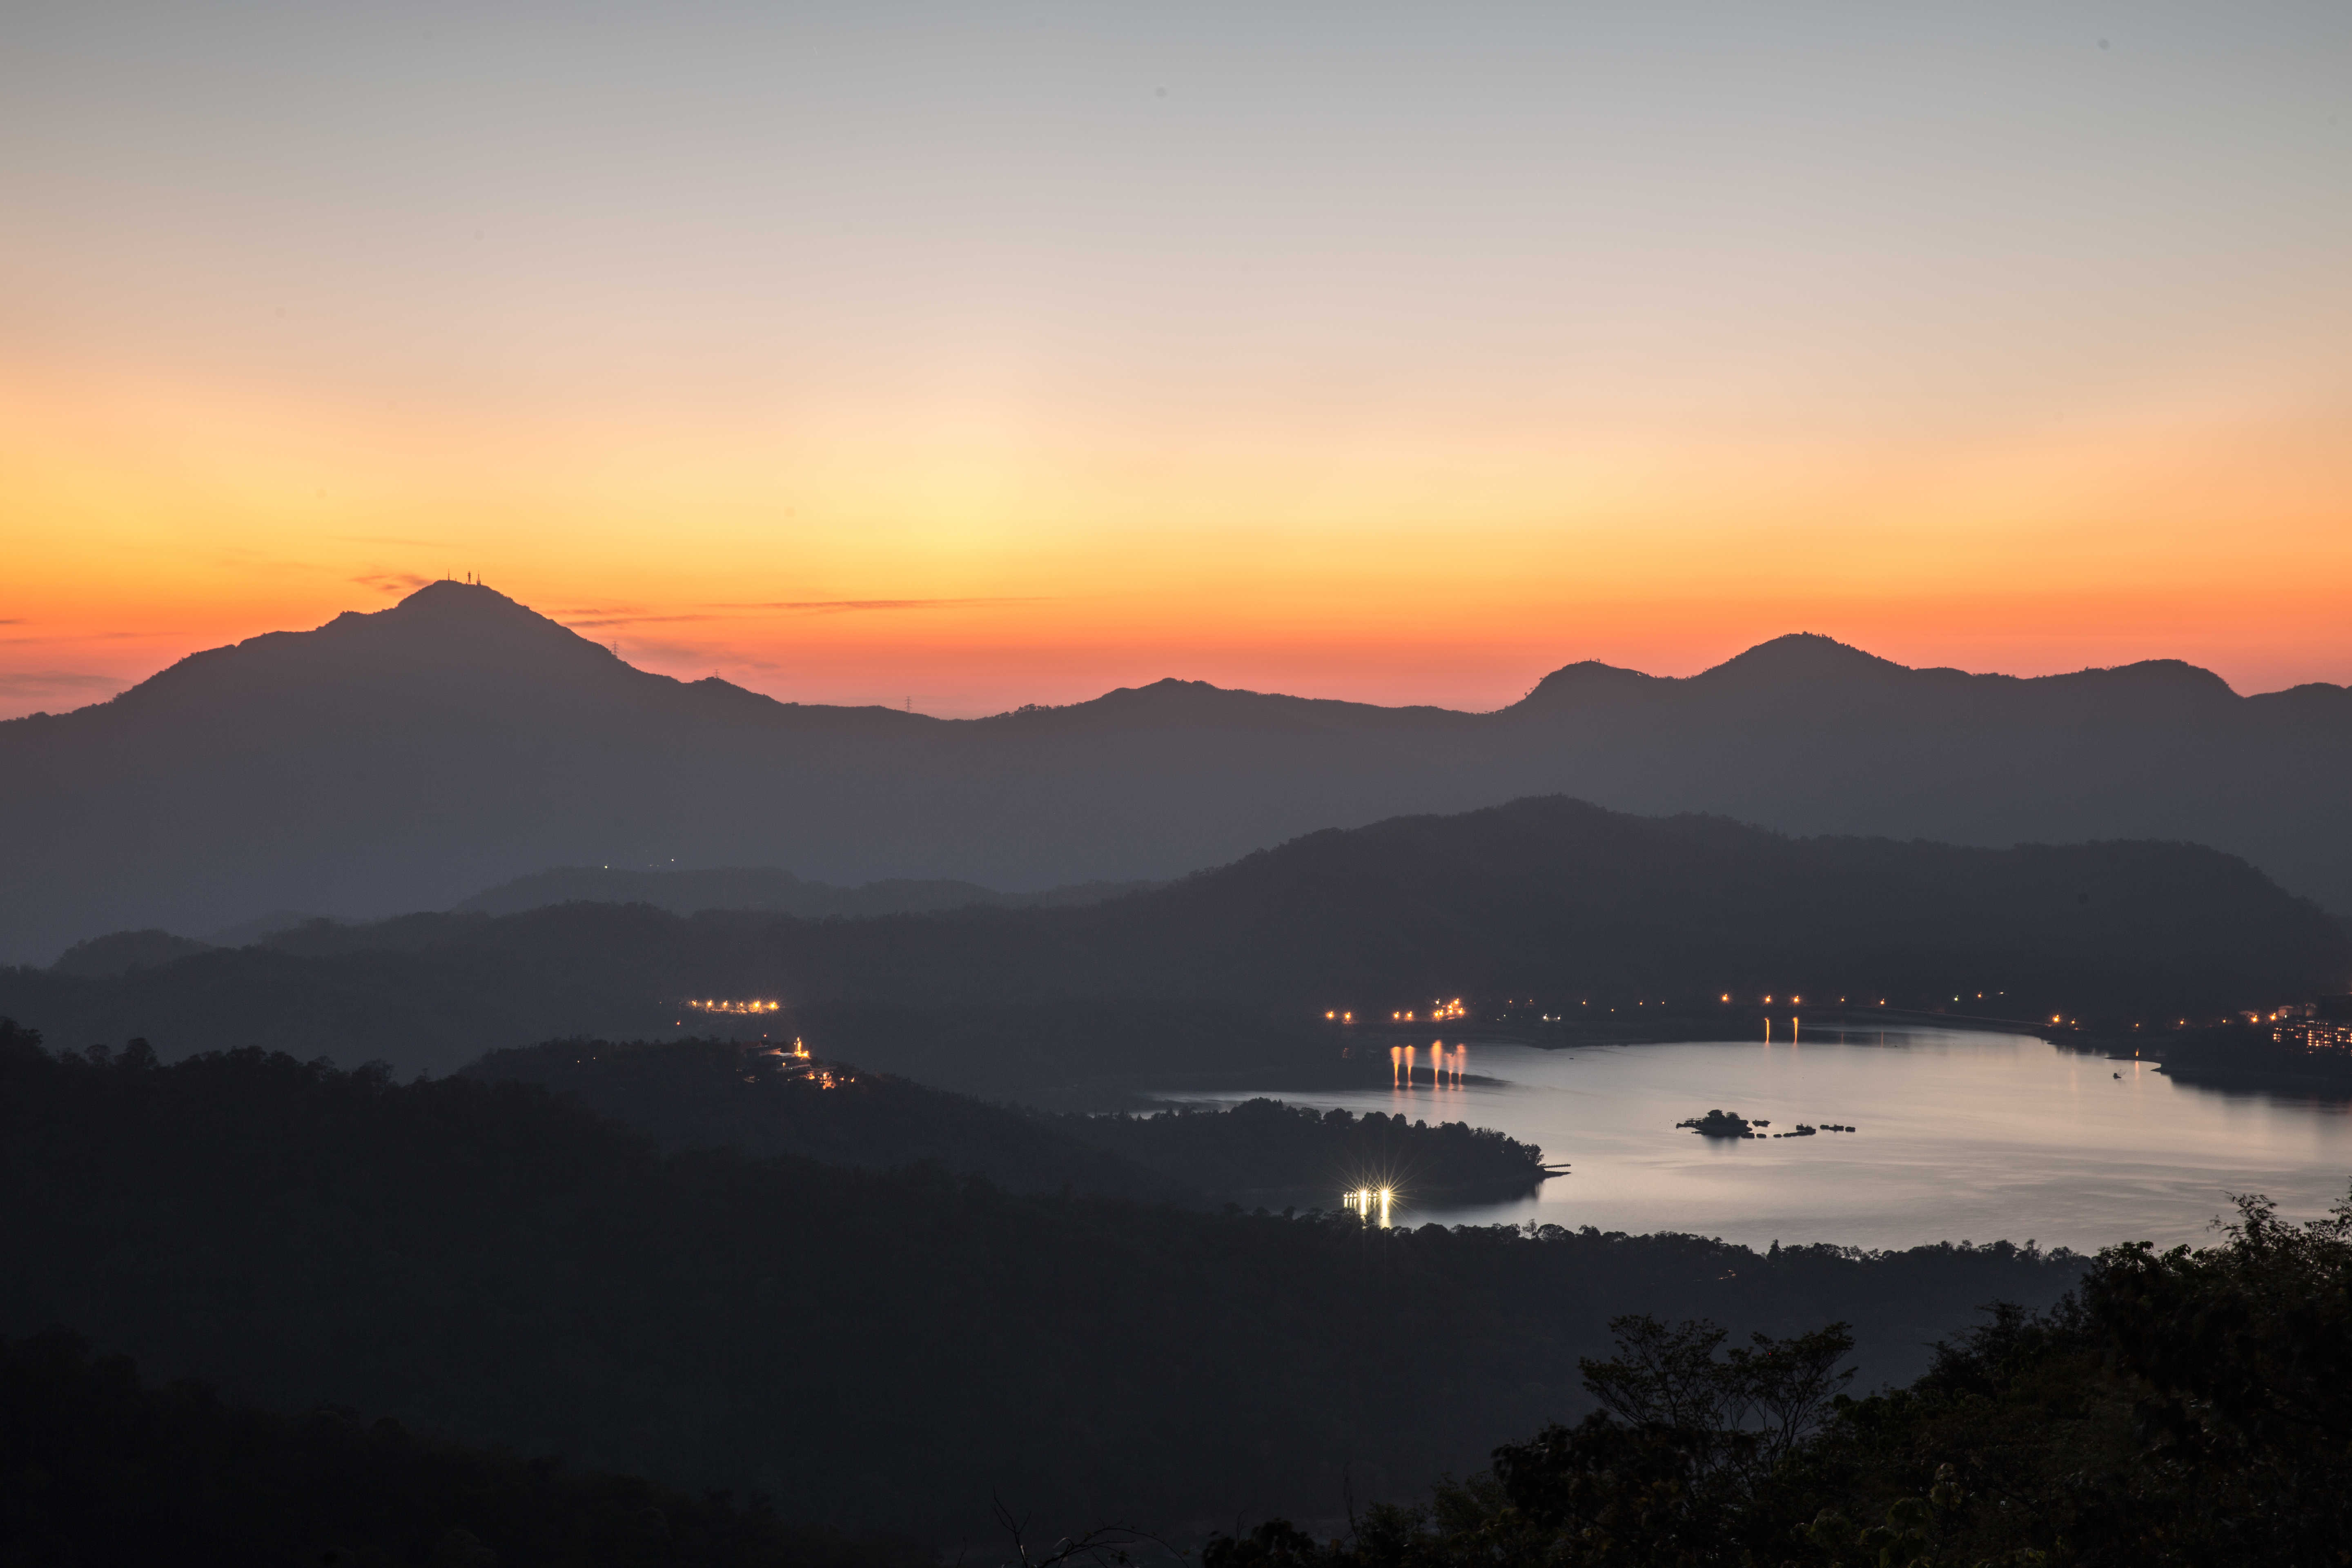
[
  {"x": 405, "y": 759},
  {"x": 766, "y": 888},
  {"x": 1548, "y": 897}
]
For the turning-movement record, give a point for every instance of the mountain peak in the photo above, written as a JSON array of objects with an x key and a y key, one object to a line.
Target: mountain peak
[
  {"x": 454, "y": 617},
  {"x": 1168, "y": 701},
  {"x": 444, "y": 632},
  {"x": 1800, "y": 656},
  {"x": 2176, "y": 674},
  {"x": 450, "y": 598},
  {"x": 1586, "y": 678},
  {"x": 442, "y": 606},
  {"x": 1797, "y": 659}
]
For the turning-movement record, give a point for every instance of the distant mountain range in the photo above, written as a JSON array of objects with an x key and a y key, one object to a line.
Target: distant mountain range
[
  {"x": 404, "y": 759},
  {"x": 1548, "y": 897},
  {"x": 770, "y": 889},
  {"x": 763, "y": 889}
]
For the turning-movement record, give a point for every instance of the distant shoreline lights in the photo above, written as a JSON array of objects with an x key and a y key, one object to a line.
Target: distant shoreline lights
[{"x": 740, "y": 1009}]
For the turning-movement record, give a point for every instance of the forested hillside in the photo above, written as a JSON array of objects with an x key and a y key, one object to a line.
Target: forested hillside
[
  {"x": 704, "y": 1094},
  {"x": 99, "y": 1468},
  {"x": 483, "y": 1262},
  {"x": 2176, "y": 1410}
]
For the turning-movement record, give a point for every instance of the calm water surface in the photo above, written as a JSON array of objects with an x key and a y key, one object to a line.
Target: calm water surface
[{"x": 1963, "y": 1136}]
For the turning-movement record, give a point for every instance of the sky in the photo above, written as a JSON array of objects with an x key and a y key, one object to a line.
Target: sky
[{"x": 965, "y": 356}]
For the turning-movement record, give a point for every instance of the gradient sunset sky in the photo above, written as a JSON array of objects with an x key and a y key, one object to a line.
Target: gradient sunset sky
[{"x": 984, "y": 355}]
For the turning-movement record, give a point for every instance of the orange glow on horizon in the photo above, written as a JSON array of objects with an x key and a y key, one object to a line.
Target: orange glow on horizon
[
  {"x": 147, "y": 521},
  {"x": 865, "y": 359}
]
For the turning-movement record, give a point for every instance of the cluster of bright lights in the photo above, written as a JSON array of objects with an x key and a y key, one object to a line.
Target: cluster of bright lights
[
  {"x": 1340, "y": 1017},
  {"x": 715, "y": 1005},
  {"x": 797, "y": 1062},
  {"x": 1369, "y": 1202}
]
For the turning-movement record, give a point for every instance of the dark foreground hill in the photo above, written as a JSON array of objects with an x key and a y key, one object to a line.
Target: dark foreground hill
[
  {"x": 719, "y": 1094},
  {"x": 705, "y": 1094},
  {"x": 1551, "y": 899},
  {"x": 2182, "y": 1409},
  {"x": 482, "y": 1262},
  {"x": 103, "y": 1470},
  {"x": 405, "y": 759}
]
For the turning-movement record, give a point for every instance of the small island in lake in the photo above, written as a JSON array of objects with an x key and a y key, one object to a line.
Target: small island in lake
[
  {"x": 1723, "y": 1124},
  {"x": 1731, "y": 1124}
]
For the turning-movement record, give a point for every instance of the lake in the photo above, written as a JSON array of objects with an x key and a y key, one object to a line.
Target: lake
[{"x": 1962, "y": 1136}]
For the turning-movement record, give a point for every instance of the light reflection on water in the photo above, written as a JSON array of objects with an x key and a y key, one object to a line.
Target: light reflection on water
[{"x": 1963, "y": 1136}]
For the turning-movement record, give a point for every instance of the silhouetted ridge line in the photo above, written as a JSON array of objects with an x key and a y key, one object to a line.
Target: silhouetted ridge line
[{"x": 408, "y": 758}]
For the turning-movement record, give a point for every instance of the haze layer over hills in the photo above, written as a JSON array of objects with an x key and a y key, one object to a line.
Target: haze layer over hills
[
  {"x": 1550, "y": 898},
  {"x": 766, "y": 888},
  {"x": 404, "y": 759}
]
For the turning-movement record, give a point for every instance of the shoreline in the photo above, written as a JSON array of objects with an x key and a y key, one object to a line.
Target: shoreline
[{"x": 1137, "y": 1091}]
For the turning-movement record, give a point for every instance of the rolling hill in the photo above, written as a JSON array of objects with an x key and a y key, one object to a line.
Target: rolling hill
[{"x": 1549, "y": 897}]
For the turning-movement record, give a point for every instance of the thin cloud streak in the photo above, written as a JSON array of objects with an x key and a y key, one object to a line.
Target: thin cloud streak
[
  {"x": 606, "y": 617},
  {"x": 39, "y": 682},
  {"x": 78, "y": 636},
  {"x": 834, "y": 606},
  {"x": 635, "y": 620}
]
